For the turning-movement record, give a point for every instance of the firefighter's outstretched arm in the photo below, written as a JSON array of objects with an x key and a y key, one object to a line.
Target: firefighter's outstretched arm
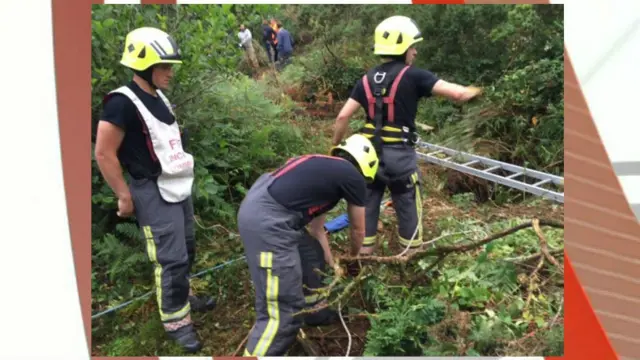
[
  {"x": 356, "y": 222},
  {"x": 454, "y": 91},
  {"x": 342, "y": 120}
]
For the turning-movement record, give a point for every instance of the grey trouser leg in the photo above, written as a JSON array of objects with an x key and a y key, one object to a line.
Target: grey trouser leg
[
  {"x": 271, "y": 245},
  {"x": 312, "y": 256},
  {"x": 189, "y": 231},
  {"x": 402, "y": 169},
  {"x": 165, "y": 230},
  {"x": 375, "y": 192}
]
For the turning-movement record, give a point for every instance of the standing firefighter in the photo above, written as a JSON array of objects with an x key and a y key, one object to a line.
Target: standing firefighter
[
  {"x": 138, "y": 130},
  {"x": 390, "y": 93},
  {"x": 272, "y": 220}
]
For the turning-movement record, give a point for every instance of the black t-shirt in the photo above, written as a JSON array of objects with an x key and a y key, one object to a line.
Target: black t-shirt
[
  {"x": 314, "y": 184},
  {"x": 415, "y": 84},
  {"x": 135, "y": 153}
]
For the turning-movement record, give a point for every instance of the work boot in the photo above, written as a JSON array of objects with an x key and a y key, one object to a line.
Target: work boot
[
  {"x": 201, "y": 303},
  {"x": 186, "y": 337},
  {"x": 323, "y": 317}
]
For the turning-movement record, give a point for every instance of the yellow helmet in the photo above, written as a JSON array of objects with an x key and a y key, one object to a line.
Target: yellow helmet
[
  {"x": 394, "y": 35},
  {"x": 148, "y": 46},
  {"x": 363, "y": 153}
]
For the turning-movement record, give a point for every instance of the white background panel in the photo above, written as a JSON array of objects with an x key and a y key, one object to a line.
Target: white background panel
[{"x": 41, "y": 315}]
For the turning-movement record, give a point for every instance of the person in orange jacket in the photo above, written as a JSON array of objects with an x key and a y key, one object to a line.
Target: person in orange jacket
[{"x": 274, "y": 38}]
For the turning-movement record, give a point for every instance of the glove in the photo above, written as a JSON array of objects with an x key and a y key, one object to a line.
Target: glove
[{"x": 354, "y": 268}]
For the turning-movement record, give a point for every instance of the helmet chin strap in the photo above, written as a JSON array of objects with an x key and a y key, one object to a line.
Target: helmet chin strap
[{"x": 146, "y": 75}]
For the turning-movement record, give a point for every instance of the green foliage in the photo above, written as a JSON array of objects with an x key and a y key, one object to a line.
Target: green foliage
[
  {"x": 475, "y": 303},
  {"x": 515, "y": 52},
  {"x": 401, "y": 328}
]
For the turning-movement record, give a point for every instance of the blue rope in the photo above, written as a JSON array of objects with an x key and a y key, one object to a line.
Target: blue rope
[{"x": 126, "y": 303}]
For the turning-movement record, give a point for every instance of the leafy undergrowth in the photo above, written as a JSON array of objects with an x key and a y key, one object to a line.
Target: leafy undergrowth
[
  {"x": 484, "y": 302},
  {"x": 481, "y": 302},
  {"x": 489, "y": 301}
]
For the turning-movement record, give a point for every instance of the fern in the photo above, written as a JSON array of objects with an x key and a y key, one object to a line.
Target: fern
[{"x": 130, "y": 230}]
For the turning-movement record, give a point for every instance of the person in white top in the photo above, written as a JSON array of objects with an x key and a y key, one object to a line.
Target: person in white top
[
  {"x": 246, "y": 43},
  {"x": 138, "y": 131}
]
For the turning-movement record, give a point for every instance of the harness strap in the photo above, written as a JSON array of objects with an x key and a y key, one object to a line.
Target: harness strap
[
  {"x": 389, "y": 100},
  {"x": 389, "y": 134}
]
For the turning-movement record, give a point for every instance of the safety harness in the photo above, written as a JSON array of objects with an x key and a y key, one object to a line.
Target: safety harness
[
  {"x": 380, "y": 89},
  {"x": 376, "y": 86}
]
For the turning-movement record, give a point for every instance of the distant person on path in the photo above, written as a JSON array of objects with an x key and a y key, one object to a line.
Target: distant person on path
[
  {"x": 246, "y": 43},
  {"x": 274, "y": 42},
  {"x": 138, "y": 132},
  {"x": 285, "y": 47},
  {"x": 268, "y": 37},
  {"x": 391, "y": 125},
  {"x": 281, "y": 253}
]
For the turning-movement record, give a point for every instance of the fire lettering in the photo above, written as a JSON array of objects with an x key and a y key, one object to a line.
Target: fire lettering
[
  {"x": 176, "y": 156},
  {"x": 174, "y": 142},
  {"x": 184, "y": 165}
]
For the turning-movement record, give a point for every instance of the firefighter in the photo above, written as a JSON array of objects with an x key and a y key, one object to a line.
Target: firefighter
[
  {"x": 389, "y": 93},
  {"x": 279, "y": 249},
  {"x": 138, "y": 132}
]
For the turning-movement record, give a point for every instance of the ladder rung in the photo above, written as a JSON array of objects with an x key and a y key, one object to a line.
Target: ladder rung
[
  {"x": 541, "y": 182},
  {"x": 514, "y": 171}
]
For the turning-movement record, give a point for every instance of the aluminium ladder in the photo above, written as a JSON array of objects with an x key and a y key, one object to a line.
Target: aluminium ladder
[{"x": 463, "y": 162}]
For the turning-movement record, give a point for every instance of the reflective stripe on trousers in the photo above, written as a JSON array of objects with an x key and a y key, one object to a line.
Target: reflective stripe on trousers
[
  {"x": 274, "y": 247},
  {"x": 402, "y": 169},
  {"x": 168, "y": 231}
]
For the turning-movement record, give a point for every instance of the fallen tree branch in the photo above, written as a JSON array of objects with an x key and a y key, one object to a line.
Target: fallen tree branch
[
  {"x": 544, "y": 247},
  {"x": 527, "y": 258},
  {"x": 445, "y": 250},
  {"x": 441, "y": 252},
  {"x": 363, "y": 274}
]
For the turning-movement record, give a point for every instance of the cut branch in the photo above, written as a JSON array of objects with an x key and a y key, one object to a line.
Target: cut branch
[
  {"x": 544, "y": 248},
  {"x": 363, "y": 274},
  {"x": 441, "y": 252},
  {"x": 445, "y": 250}
]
